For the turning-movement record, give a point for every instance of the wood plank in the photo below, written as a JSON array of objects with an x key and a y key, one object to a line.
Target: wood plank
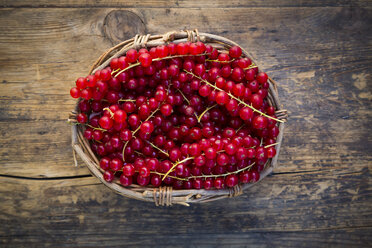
[
  {"x": 179, "y": 4},
  {"x": 314, "y": 209},
  {"x": 324, "y": 76}
]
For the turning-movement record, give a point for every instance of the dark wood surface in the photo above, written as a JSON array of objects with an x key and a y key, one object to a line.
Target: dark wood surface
[{"x": 320, "y": 52}]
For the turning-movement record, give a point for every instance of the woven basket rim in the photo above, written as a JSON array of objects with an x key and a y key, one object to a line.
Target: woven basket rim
[{"x": 166, "y": 195}]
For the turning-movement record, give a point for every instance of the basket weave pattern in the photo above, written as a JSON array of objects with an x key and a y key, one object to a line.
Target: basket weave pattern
[{"x": 167, "y": 195}]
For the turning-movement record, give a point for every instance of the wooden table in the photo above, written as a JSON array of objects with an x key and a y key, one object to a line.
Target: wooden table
[{"x": 319, "y": 51}]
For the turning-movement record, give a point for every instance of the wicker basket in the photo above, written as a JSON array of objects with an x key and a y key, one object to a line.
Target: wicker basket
[{"x": 167, "y": 195}]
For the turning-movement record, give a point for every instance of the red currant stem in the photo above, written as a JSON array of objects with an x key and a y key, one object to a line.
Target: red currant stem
[
  {"x": 111, "y": 113},
  {"x": 125, "y": 146},
  {"x": 232, "y": 96},
  {"x": 250, "y": 67},
  {"x": 157, "y": 59},
  {"x": 174, "y": 166},
  {"x": 218, "y": 61},
  {"x": 125, "y": 69},
  {"x": 73, "y": 122},
  {"x": 240, "y": 127},
  {"x": 114, "y": 71},
  {"x": 139, "y": 153},
  {"x": 226, "y": 174},
  {"x": 271, "y": 145},
  {"x": 96, "y": 128},
  {"x": 148, "y": 118},
  {"x": 205, "y": 176},
  {"x": 162, "y": 174},
  {"x": 160, "y": 150},
  {"x": 184, "y": 97},
  {"x": 126, "y": 100},
  {"x": 187, "y": 100},
  {"x": 205, "y": 111},
  {"x": 261, "y": 142}
]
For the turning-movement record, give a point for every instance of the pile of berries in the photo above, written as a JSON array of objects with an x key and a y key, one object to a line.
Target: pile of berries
[{"x": 184, "y": 115}]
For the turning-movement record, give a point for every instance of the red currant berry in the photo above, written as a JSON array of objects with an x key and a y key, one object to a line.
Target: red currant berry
[
  {"x": 257, "y": 101},
  {"x": 250, "y": 75},
  {"x": 255, "y": 176},
  {"x": 182, "y": 49},
  {"x": 82, "y": 118},
  {"x": 125, "y": 181},
  {"x": 231, "y": 180},
  {"x": 116, "y": 164},
  {"x": 145, "y": 59},
  {"x": 219, "y": 183},
  {"x": 142, "y": 181},
  {"x": 210, "y": 153},
  {"x": 271, "y": 152},
  {"x": 132, "y": 55},
  {"x": 222, "y": 98},
  {"x": 245, "y": 113},
  {"x": 156, "y": 180},
  {"x": 261, "y": 77},
  {"x": 162, "y": 51},
  {"x": 235, "y": 52},
  {"x": 128, "y": 170},
  {"x": 147, "y": 127},
  {"x": 259, "y": 122},
  {"x": 166, "y": 109},
  {"x": 108, "y": 176},
  {"x": 120, "y": 116},
  {"x": 106, "y": 122},
  {"x": 75, "y": 92},
  {"x": 144, "y": 171}
]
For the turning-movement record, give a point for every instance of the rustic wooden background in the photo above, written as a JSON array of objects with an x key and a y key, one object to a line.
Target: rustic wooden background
[{"x": 319, "y": 51}]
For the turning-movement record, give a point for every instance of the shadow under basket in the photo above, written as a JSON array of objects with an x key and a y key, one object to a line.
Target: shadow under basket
[{"x": 167, "y": 195}]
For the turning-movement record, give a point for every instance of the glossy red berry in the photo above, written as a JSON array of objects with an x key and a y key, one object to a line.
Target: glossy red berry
[
  {"x": 259, "y": 122},
  {"x": 166, "y": 109},
  {"x": 145, "y": 59},
  {"x": 222, "y": 98},
  {"x": 261, "y": 77},
  {"x": 271, "y": 152},
  {"x": 144, "y": 171},
  {"x": 75, "y": 92},
  {"x": 106, "y": 122},
  {"x": 104, "y": 163},
  {"x": 245, "y": 113},
  {"x": 147, "y": 127},
  {"x": 120, "y": 116},
  {"x": 116, "y": 164},
  {"x": 231, "y": 180},
  {"x": 82, "y": 118},
  {"x": 235, "y": 52},
  {"x": 108, "y": 176},
  {"x": 132, "y": 55},
  {"x": 125, "y": 180}
]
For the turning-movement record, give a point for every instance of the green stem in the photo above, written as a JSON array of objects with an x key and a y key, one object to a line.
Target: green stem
[
  {"x": 205, "y": 111},
  {"x": 232, "y": 96},
  {"x": 151, "y": 144},
  {"x": 271, "y": 145},
  {"x": 157, "y": 59},
  {"x": 174, "y": 166},
  {"x": 96, "y": 128}
]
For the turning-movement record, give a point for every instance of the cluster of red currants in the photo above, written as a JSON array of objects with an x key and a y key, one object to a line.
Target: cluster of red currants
[{"x": 185, "y": 115}]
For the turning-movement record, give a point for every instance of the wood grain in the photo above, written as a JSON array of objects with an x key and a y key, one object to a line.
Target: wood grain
[
  {"x": 335, "y": 210},
  {"x": 180, "y": 3},
  {"x": 320, "y": 52}
]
